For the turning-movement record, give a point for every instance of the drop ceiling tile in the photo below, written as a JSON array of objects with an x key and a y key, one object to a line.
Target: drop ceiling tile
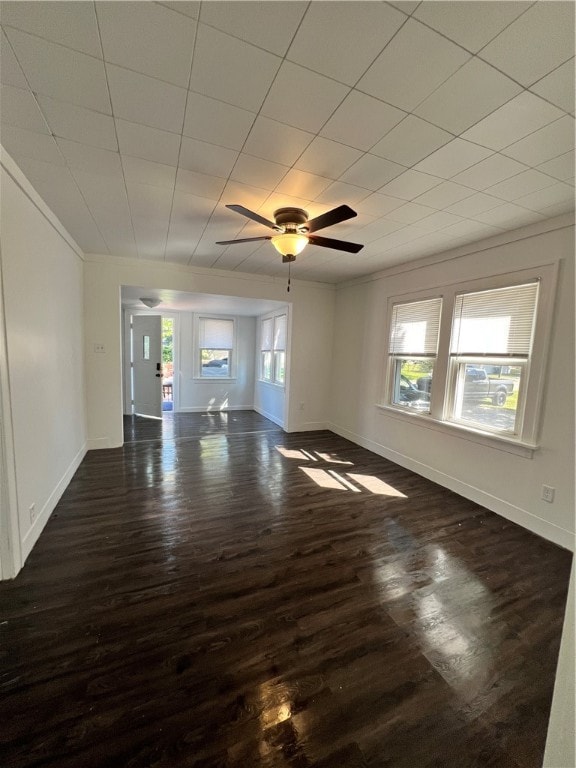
[
  {"x": 317, "y": 97},
  {"x": 522, "y": 184},
  {"x": 508, "y": 216},
  {"x": 267, "y": 25},
  {"x": 561, "y": 167},
  {"x": 19, "y": 143},
  {"x": 438, "y": 220},
  {"x": 372, "y": 172},
  {"x": 247, "y": 195},
  {"x": 471, "y": 25},
  {"x": 253, "y": 170},
  {"x": 187, "y": 7},
  {"x": 452, "y": 159},
  {"x": 444, "y": 194},
  {"x": 519, "y": 117},
  {"x": 360, "y": 121},
  {"x": 558, "y": 87},
  {"x": 410, "y": 141},
  {"x": 20, "y": 109},
  {"x": 327, "y": 158},
  {"x": 377, "y": 229},
  {"x": 91, "y": 159},
  {"x": 477, "y": 203},
  {"x": 68, "y": 121},
  {"x": 409, "y": 213},
  {"x": 60, "y": 72},
  {"x": 148, "y": 143},
  {"x": 105, "y": 195},
  {"x": 71, "y": 24},
  {"x": 557, "y": 210},
  {"x": 404, "y": 79},
  {"x": 339, "y": 191},
  {"x": 120, "y": 243},
  {"x": 489, "y": 172},
  {"x": 214, "y": 121},
  {"x": 10, "y": 71},
  {"x": 548, "y": 142},
  {"x": 199, "y": 184},
  {"x": 276, "y": 141},
  {"x": 149, "y": 201},
  {"x": 520, "y": 52},
  {"x": 340, "y": 41},
  {"x": 159, "y": 45},
  {"x": 206, "y": 158},
  {"x": 139, "y": 171},
  {"x": 228, "y": 69},
  {"x": 475, "y": 90},
  {"x": 378, "y": 205},
  {"x": 303, "y": 185},
  {"x": 142, "y": 99},
  {"x": 410, "y": 184},
  {"x": 551, "y": 195},
  {"x": 192, "y": 208},
  {"x": 466, "y": 231},
  {"x": 150, "y": 234},
  {"x": 406, "y": 6}
]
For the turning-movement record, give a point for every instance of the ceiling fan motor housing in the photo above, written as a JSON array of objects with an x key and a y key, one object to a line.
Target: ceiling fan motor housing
[{"x": 291, "y": 220}]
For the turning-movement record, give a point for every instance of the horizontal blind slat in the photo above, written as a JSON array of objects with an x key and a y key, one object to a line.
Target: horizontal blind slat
[
  {"x": 415, "y": 327},
  {"x": 216, "y": 333}
]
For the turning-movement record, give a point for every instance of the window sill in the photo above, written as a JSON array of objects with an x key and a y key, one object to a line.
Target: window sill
[
  {"x": 271, "y": 384},
  {"x": 489, "y": 439},
  {"x": 214, "y": 378}
]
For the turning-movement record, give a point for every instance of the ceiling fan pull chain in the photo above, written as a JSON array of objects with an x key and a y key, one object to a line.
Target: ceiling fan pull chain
[{"x": 289, "y": 265}]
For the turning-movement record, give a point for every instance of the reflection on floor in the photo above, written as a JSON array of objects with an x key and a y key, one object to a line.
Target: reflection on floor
[{"x": 220, "y": 594}]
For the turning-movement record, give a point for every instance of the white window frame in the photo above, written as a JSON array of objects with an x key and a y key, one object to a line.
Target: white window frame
[
  {"x": 525, "y": 441},
  {"x": 274, "y": 351},
  {"x": 232, "y": 362}
]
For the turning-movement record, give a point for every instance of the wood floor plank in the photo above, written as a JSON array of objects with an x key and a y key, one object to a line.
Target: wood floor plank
[{"x": 220, "y": 594}]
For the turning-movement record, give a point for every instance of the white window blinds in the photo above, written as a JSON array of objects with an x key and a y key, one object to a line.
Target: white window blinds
[
  {"x": 415, "y": 327},
  {"x": 495, "y": 322},
  {"x": 267, "y": 333},
  {"x": 280, "y": 333},
  {"x": 216, "y": 333}
]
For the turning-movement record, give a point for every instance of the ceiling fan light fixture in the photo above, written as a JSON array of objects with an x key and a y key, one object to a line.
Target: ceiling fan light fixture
[
  {"x": 150, "y": 303},
  {"x": 290, "y": 243}
]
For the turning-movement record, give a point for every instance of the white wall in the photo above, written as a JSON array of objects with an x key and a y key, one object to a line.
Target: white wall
[
  {"x": 43, "y": 315},
  {"x": 312, "y": 322},
  {"x": 502, "y": 481},
  {"x": 195, "y": 394}
]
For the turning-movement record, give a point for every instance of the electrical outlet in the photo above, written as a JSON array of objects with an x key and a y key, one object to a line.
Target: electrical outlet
[
  {"x": 99, "y": 348},
  {"x": 32, "y": 510},
  {"x": 548, "y": 493}
]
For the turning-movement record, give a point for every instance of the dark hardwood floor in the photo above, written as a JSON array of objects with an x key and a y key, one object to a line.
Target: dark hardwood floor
[{"x": 219, "y": 594}]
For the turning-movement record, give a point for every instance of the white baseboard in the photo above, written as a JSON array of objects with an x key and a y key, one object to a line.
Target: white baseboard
[
  {"x": 269, "y": 416},
  {"x": 36, "y": 529},
  {"x": 216, "y": 409},
  {"x": 509, "y": 511},
  {"x": 308, "y": 426}
]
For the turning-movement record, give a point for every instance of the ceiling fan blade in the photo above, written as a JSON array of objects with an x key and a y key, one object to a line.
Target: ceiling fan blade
[
  {"x": 242, "y": 240},
  {"x": 251, "y": 215},
  {"x": 339, "y": 245},
  {"x": 335, "y": 216}
]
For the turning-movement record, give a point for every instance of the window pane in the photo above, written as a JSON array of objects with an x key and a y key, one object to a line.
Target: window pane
[
  {"x": 267, "y": 366},
  {"x": 495, "y": 322},
  {"x": 216, "y": 333},
  {"x": 411, "y": 384},
  {"x": 267, "y": 333},
  {"x": 487, "y": 395},
  {"x": 215, "y": 363},
  {"x": 280, "y": 332},
  {"x": 279, "y": 366},
  {"x": 415, "y": 326}
]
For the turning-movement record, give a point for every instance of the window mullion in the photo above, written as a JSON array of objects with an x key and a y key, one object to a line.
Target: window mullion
[{"x": 440, "y": 394}]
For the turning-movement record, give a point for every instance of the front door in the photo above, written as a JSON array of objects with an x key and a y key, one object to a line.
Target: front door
[{"x": 147, "y": 365}]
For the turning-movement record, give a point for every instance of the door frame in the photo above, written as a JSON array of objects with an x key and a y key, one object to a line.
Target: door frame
[{"x": 126, "y": 368}]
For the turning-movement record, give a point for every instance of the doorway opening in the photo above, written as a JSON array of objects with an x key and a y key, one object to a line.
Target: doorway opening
[{"x": 167, "y": 364}]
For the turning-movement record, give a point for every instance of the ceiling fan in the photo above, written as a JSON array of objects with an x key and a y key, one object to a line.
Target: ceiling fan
[{"x": 293, "y": 228}]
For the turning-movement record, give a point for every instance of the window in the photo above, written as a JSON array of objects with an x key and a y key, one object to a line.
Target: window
[
  {"x": 413, "y": 350},
  {"x": 273, "y": 332},
  {"x": 490, "y": 348},
  {"x": 474, "y": 358},
  {"x": 216, "y": 343}
]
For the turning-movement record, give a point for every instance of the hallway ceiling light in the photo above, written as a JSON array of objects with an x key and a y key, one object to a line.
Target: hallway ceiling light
[{"x": 150, "y": 303}]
